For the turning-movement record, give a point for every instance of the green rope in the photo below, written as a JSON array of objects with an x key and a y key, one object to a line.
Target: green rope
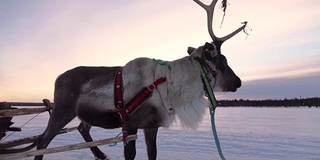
[
  {"x": 212, "y": 108},
  {"x": 162, "y": 63}
]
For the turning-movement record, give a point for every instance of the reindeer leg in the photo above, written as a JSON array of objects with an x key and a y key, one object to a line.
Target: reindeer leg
[
  {"x": 84, "y": 129},
  {"x": 58, "y": 119},
  {"x": 130, "y": 148},
  {"x": 151, "y": 142}
]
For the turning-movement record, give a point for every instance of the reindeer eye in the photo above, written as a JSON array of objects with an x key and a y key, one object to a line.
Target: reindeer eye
[{"x": 208, "y": 47}]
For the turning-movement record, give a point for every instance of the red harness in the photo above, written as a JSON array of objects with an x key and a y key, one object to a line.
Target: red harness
[{"x": 134, "y": 103}]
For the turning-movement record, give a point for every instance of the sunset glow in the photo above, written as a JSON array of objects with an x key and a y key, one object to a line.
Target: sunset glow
[{"x": 41, "y": 39}]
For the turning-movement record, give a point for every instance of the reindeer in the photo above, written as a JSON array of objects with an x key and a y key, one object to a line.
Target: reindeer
[{"x": 88, "y": 92}]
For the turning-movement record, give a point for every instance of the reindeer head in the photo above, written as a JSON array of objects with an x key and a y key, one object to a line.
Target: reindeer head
[{"x": 214, "y": 63}]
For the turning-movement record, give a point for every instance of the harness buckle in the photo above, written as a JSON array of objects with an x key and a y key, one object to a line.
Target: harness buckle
[{"x": 151, "y": 87}]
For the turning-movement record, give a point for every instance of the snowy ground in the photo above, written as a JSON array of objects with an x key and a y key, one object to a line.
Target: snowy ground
[{"x": 245, "y": 134}]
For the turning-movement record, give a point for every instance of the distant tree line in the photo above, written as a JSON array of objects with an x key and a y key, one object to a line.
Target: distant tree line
[{"x": 295, "y": 102}]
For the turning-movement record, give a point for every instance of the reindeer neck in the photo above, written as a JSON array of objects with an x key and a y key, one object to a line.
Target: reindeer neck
[
  {"x": 185, "y": 92},
  {"x": 185, "y": 80}
]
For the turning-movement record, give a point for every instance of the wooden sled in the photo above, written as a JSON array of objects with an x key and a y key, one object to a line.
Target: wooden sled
[{"x": 6, "y": 114}]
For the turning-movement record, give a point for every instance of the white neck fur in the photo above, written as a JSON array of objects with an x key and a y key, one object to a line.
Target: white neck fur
[{"x": 186, "y": 92}]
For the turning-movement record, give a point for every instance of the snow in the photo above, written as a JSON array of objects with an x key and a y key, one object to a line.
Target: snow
[{"x": 245, "y": 134}]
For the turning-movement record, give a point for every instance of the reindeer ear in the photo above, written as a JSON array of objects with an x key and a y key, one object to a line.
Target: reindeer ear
[{"x": 190, "y": 50}]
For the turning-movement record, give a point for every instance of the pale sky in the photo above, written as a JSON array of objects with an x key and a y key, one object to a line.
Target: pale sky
[{"x": 41, "y": 39}]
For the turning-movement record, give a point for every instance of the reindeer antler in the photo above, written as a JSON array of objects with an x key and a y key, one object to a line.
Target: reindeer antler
[{"x": 210, "y": 10}]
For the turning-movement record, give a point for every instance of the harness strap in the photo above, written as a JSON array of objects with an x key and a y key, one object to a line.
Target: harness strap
[
  {"x": 205, "y": 66},
  {"x": 142, "y": 96},
  {"x": 207, "y": 85},
  {"x": 118, "y": 89},
  {"x": 118, "y": 101},
  {"x": 134, "y": 103}
]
